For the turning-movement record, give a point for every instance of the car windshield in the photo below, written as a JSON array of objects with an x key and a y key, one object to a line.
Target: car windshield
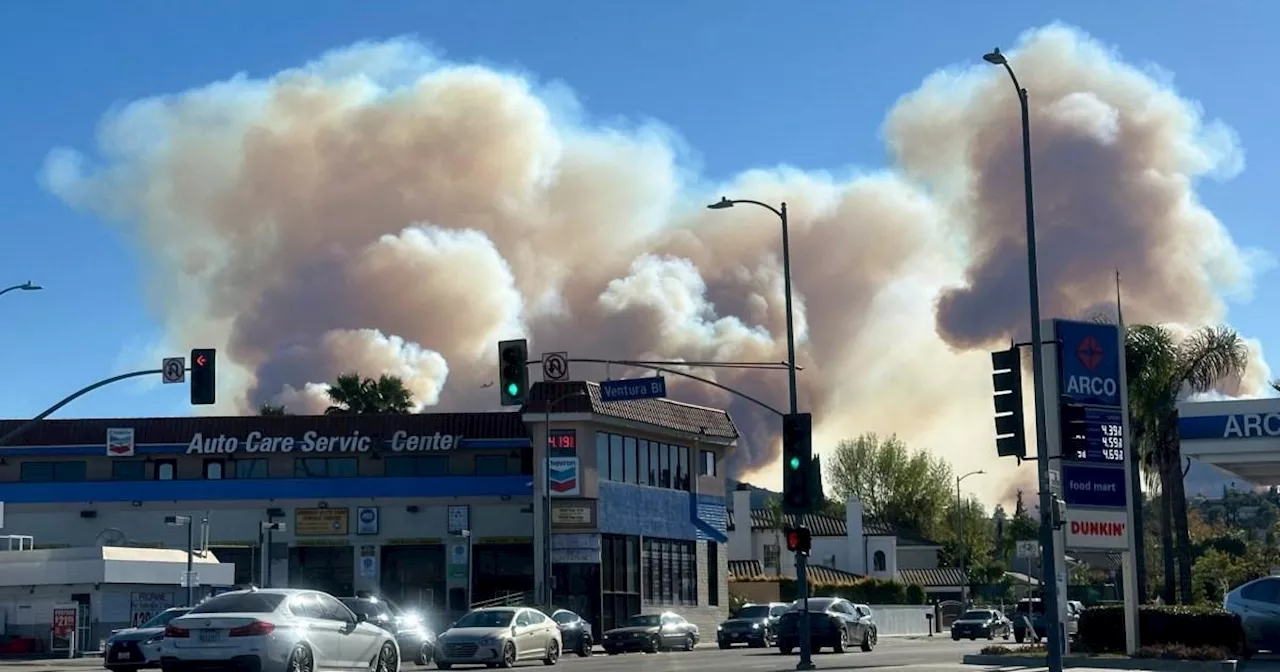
[
  {"x": 816, "y": 605},
  {"x": 240, "y": 603},
  {"x": 754, "y": 611},
  {"x": 371, "y": 609},
  {"x": 976, "y": 615},
  {"x": 486, "y": 619},
  {"x": 564, "y": 617},
  {"x": 642, "y": 621},
  {"x": 162, "y": 619}
]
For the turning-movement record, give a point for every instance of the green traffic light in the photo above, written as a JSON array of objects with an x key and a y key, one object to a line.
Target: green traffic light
[
  {"x": 513, "y": 389},
  {"x": 794, "y": 463}
]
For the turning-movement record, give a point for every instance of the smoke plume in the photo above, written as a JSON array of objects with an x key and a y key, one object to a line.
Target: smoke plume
[{"x": 382, "y": 211}]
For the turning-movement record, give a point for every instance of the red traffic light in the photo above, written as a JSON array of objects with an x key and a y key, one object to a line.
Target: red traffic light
[
  {"x": 793, "y": 540},
  {"x": 201, "y": 360}
]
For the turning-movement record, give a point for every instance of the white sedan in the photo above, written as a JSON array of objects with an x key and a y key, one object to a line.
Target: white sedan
[{"x": 276, "y": 630}]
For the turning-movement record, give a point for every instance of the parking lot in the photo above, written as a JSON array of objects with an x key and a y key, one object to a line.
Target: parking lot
[{"x": 939, "y": 653}]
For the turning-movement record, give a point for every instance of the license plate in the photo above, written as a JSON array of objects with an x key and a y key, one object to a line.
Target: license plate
[
  {"x": 125, "y": 655},
  {"x": 210, "y": 635}
]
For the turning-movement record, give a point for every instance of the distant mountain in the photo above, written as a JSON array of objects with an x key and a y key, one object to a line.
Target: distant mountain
[{"x": 759, "y": 496}]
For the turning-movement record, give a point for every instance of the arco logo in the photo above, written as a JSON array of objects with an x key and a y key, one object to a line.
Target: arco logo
[{"x": 1089, "y": 352}]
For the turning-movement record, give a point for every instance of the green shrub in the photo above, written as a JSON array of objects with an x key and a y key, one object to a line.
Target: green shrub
[
  {"x": 1005, "y": 650},
  {"x": 865, "y": 591},
  {"x": 915, "y": 594},
  {"x": 1181, "y": 652},
  {"x": 1102, "y": 628}
]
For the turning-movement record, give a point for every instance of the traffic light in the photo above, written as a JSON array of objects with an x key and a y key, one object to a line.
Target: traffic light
[
  {"x": 1006, "y": 368},
  {"x": 798, "y": 539},
  {"x": 513, "y": 372},
  {"x": 204, "y": 388},
  {"x": 797, "y": 462},
  {"x": 1071, "y": 430}
]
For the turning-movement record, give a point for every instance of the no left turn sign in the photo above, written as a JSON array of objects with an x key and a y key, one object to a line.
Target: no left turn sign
[
  {"x": 555, "y": 367},
  {"x": 174, "y": 369}
]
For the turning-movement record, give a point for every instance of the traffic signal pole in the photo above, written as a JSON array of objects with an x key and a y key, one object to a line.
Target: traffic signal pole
[{"x": 30, "y": 424}]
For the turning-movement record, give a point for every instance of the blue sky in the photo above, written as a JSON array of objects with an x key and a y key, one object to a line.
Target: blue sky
[{"x": 746, "y": 85}]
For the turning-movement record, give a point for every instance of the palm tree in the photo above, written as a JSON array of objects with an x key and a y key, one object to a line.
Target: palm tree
[
  {"x": 353, "y": 394},
  {"x": 268, "y": 409},
  {"x": 1162, "y": 371}
]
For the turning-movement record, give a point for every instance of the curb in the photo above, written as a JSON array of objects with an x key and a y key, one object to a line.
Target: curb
[{"x": 1108, "y": 663}]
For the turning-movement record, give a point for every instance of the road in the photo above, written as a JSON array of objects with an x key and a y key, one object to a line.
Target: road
[{"x": 892, "y": 652}]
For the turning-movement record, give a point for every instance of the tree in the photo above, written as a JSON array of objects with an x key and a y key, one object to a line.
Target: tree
[
  {"x": 1162, "y": 371},
  {"x": 356, "y": 395},
  {"x": 910, "y": 490},
  {"x": 270, "y": 410}
]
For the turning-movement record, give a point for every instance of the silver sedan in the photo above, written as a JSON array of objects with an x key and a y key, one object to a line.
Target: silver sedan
[{"x": 499, "y": 637}]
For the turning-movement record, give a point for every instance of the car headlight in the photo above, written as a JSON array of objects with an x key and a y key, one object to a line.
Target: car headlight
[
  {"x": 604, "y": 636},
  {"x": 719, "y": 628},
  {"x": 490, "y": 641},
  {"x": 755, "y": 626},
  {"x": 154, "y": 638}
]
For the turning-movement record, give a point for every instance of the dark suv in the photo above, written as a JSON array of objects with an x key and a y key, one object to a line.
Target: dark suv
[
  {"x": 752, "y": 624},
  {"x": 417, "y": 642}
]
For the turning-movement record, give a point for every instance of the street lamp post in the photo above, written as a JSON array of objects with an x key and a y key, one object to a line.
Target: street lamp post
[
  {"x": 960, "y": 545},
  {"x": 27, "y": 286},
  {"x": 190, "y": 577},
  {"x": 1049, "y": 573},
  {"x": 548, "y": 578},
  {"x": 802, "y": 573}
]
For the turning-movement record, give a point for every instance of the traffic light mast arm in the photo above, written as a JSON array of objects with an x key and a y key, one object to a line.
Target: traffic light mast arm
[{"x": 30, "y": 424}]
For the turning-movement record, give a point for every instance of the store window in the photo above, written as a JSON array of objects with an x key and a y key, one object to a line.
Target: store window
[
  {"x": 491, "y": 465},
  {"x": 128, "y": 470},
  {"x": 252, "y": 468},
  {"x": 670, "y": 572},
  {"x": 615, "y": 458},
  {"x": 213, "y": 469},
  {"x": 642, "y": 466},
  {"x": 629, "y": 460},
  {"x": 619, "y": 578},
  {"x": 713, "y": 574},
  {"x": 53, "y": 472},
  {"x": 416, "y": 465},
  {"x": 166, "y": 470},
  {"x": 325, "y": 467}
]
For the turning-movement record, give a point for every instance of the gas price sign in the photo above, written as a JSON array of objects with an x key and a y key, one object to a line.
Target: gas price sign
[{"x": 1104, "y": 436}]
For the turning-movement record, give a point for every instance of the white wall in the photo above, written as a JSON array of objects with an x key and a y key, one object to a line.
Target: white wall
[
  {"x": 888, "y": 546},
  {"x": 901, "y": 619}
]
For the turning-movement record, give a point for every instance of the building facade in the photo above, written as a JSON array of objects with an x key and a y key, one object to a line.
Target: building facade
[
  {"x": 637, "y": 505},
  {"x": 435, "y": 510}
]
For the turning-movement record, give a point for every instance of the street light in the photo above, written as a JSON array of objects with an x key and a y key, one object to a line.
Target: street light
[
  {"x": 802, "y": 573},
  {"x": 27, "y": 286},
  {"x": 190, "y": 580},
  {"x": 548, "y": 578},
  {"x": 1054, "y": 658},
  {"x": 960, "y": 548}
]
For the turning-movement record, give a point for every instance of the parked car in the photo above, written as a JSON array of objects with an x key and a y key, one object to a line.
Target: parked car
[
  {"x": 651, "y": 633},
  {"x": 833, "y": 622},
  {"x": 415, "y": 639},
  {"x": 575, "y": 632},
  {"x": 753, "y": 624},
  {"x": 985, "y": 623},
  {"x": 1257, "y": 604},
  {"x": 135, "y": 648},
  {"x": 499, "y": 637},
  {"x": 276, "y": 630},
  {"x": 1029, "y": 620}
]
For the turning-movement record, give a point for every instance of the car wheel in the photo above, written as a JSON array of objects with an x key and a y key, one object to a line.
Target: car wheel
[
  {"x": 300, "y": 660},
  {"x": 443, "y": 666},
  {"x": 725, "y": 645},
  {"x": 1018, "y": 638},
  {"x": 955, "y": 638},
  {"x": 388, "y": 659},
  {"x": 585, "y": 647},
  {"x": 785, "y": 649},
  {"x": 553, "y": 653},
  {"x": 688, "y": 642},
  {"x": 841, "y": 640},
  {"x": 868, "y": 642},
  {"x": 508, "y": 655},
  {"x": 612, "y": 652},
  {"x": 424, "y": 655},
  {"x": 654, "y": 645}
]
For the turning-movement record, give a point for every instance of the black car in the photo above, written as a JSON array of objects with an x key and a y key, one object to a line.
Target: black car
[
  {"x": 753, "y": 624},
  {"x": 575, "y": 633},
  {"x": 651, "y": 633},
  {"x": 417, "y": 642},
  {"x": 984, "y": 623},
  {"x": 833, "y": 622}
]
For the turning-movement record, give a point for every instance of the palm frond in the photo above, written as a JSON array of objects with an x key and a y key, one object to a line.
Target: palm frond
[{"x": 1211, "y": 355}]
